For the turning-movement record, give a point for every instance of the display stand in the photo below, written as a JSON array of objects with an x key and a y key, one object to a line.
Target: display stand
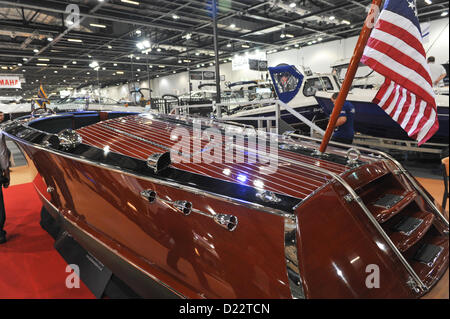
[{"x": 96, "y": 276}]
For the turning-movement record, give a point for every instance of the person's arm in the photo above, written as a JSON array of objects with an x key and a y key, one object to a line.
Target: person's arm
[
  {"x": 440, "y": 78},
  {"x": 443, "y": 75},
  {"x": 4, "y": 160},
  {"x": 341, "y": 120}
]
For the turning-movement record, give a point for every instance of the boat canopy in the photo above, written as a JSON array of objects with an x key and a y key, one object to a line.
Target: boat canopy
[{"x": 287, "y": 81}]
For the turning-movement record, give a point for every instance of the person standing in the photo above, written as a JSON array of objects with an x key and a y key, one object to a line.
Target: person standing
[
  {"x": 344, "y": 131},
  {"x": 4, "y": 180},
  {"x": 437, "y": 71}
]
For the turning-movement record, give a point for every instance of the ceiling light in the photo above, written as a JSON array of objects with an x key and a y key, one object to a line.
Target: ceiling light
[
  {"x": 65, "y": 66},
  {"x": 292, "y": 4},
  {"x": 245, "y": 46},
  {"x": 74, "y": 62},
  {"x": 229, "y": 45},
  {"x": 55, "y": 71},
  {"x": 119, "y": 72},
  {"x": 159, "y": 49},
  {"x": 94, "y": 64},
  {"x": 296, "y": 45},
  {"x": 75, "y": 40},
  {"x": 332, "y": 18},
  {"x": 98, "y": 25},
  {"x": 109, "y": 47},
  {"x": 130, "y": 2},
  {"x": 25, "y": 59},
  {"x": 179, "y": 61},
  {"x": 428, "y": 2},
  {"x": 188, "y": 36},
  {"x": 175, "y": 17},
  {"x": 288, "y": 35},
  {"x": 50, "y": 39},
  {"x": 346, "y": 22},
  {"x": 41, "y": 64},
  {"x": 145, "y": 44},
  {"x": 41, "y": 59},
  {"x": 115, "y": 64},
  {"x": 444, "y": 14},
  {"x": 35, "y": 50},
  {"x": 19, "y": 64},
  {"x": 232, "y": 26}
]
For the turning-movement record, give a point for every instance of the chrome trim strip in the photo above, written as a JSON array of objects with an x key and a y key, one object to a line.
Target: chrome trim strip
[
  {"x": 115, "y": 252},
  {"x": 291, "y": 256}
]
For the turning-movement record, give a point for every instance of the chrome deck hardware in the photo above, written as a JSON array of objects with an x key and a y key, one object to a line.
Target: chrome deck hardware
[
  {"x": 268, "y": 196},
  {"x": 159, "y": 161},
  {"x": 149, "y": 195},
  {"x": 226, "y": 221},
  {"x": 353, "y": 156},
  {"x": 183, "y": 206},
  {"x": 69, "y": 139}
]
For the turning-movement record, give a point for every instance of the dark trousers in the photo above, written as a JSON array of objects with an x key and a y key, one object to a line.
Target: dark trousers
[
  {"x": 342, "y": 140},
  {"x": 2, "y": 217}
]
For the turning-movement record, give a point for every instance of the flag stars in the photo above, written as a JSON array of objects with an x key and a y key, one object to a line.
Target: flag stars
[{"x": 412, "y": 5}]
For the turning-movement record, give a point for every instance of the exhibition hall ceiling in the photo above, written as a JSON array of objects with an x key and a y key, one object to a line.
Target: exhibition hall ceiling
[{"x": 117, "y": 40}]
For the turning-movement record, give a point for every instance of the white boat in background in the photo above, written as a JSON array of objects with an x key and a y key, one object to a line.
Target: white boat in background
[
  {"x": 371, "y": 120},
  {"x": 297, "y": 90},
  {"x": 69, "y": 103}
]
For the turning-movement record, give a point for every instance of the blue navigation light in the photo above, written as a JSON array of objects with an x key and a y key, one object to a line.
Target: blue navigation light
[{"x": 242, "y": 178}]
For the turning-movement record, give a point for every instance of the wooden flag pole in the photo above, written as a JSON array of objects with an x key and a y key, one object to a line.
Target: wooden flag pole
[{"x": 353, "y": 67}]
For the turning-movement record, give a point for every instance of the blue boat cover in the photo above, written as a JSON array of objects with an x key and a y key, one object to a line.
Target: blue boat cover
[{"x": 287, "y": 81}]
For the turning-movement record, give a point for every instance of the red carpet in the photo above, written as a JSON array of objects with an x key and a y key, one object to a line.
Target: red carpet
[{"x": 29, "y": 265}]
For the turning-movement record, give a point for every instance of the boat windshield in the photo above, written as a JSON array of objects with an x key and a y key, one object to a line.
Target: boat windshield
[{"x": 312, "y": 85}]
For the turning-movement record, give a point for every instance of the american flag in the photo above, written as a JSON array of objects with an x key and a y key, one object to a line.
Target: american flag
[{"x": 395, "y": 51}]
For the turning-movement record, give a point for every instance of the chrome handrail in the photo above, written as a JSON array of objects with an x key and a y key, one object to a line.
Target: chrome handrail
[{"x": 436, "y": 210}]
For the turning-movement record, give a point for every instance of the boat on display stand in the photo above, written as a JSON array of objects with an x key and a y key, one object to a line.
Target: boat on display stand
[{"x": 178, "y": 228}]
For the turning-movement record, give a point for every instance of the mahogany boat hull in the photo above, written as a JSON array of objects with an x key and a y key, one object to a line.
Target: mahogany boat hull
[{"x": 320, "y": 249}]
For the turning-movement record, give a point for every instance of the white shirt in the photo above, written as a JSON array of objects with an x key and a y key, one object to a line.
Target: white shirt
[{"x": 436, "y": 71}]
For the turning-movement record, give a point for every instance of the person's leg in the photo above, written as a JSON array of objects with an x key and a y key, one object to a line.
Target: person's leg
[{"x": 2, "y": 217}]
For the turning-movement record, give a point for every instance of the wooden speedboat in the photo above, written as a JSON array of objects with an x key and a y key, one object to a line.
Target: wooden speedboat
[{"x": 351, "y": 223}]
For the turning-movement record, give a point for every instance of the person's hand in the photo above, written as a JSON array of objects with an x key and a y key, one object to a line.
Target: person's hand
[{"x": 7, "y": 177}]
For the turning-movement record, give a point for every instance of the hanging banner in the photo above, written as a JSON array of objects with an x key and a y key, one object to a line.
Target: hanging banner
[
  {"x": 196, "y": 75},
  {"x": 209, "y": 75},
  {"x": 9, "y": 82}
]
